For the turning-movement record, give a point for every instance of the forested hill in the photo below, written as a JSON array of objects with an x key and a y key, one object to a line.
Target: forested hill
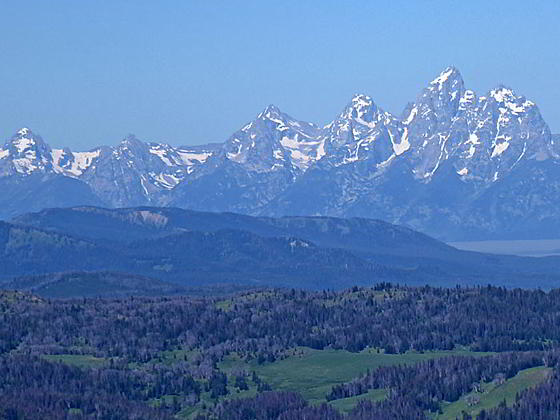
[
  {"x": 192, "y": 248},
  {"x": 385, "y": 352}
]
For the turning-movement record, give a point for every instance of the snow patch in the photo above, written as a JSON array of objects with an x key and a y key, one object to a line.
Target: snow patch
[
  {"x": 82, "y": 161},
  {"x": 290, "y": 143},
  {"x": 442, "y": 78},
  {"x": 515, "y": 108},
  {"x": 143, "y": 186},
  {"x": 235, "y": 156},
  {"x": 160, "y": 152},
  {"x": 23, "y": 144},
  {"x": 502, "y": 94},
  {"x": 303, "y": 153},
  {"x": 189, "y": 156},
  {"x": 166, "y": 181},
  {"x": 468, "y": 98},
  {"x": 297, "y": 243},
  {"x": 27, "y": 164},
  {"x": 411, "y": 116},
  {"x": 473, "y": 141},
  {"x": 521, "y": 155},
  {"x": 321, "y": 150},
  {"x": 500, "y": 148},
  {"x": 56, "y": 155},
  {"x": 403, "y": 146},
  {"x": 386, "y": 163},
  {"x": 299, "y": 157}
]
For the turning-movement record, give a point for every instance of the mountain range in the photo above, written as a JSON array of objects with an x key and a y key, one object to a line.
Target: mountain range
[{"x": 454, "y": 165}]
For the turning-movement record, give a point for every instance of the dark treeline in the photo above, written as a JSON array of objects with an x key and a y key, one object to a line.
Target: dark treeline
[
  {"x": 57, "y": 388},
  {"x": 132, "y": 335},
  {"x": 31, "y": 388},
  {"x": 291, "y": 406},
  {"x": 391, "y": 318}
]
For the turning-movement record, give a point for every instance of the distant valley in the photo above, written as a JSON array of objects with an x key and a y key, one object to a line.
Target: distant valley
[{"x": 529, "y": 248}]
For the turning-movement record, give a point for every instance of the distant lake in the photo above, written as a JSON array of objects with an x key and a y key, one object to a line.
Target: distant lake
[{"x": 529, "y": 248}]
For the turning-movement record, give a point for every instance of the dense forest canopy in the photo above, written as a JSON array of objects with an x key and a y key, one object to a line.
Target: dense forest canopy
[{"x": 160, "y": 357}]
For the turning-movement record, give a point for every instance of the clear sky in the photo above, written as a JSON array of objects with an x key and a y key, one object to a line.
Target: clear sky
[{"x": 84, "y": 73}]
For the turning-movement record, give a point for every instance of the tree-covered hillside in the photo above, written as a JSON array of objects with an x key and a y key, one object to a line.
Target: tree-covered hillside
[{"x": 389, "y": 351}]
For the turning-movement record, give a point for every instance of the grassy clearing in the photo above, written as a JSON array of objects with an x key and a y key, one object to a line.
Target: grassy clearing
[
  {"x": 314, "y": 372},
  {"x": 377, "y": 295},
  {"x": 79, "y": 360},
  {"x": 493, "y": 394},
  {"x": 248, "y": 297},
  {"x": 345, "y": 405}
]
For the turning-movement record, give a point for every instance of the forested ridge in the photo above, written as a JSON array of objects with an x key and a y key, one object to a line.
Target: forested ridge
[
  {"x": 193, "y": 249},
  {"x": 166, "y": 357}
]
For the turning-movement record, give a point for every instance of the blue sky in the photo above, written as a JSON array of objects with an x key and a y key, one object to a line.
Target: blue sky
[{"x": 83, "y": 73}]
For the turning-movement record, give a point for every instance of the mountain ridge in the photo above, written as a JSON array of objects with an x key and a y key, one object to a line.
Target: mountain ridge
[
  {"x": 193, "y": 248},
  {"x": 426, "y": 169}
]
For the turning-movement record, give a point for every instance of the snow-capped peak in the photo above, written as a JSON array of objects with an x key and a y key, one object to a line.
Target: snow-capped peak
[
  {"x": 361, "y": 100},
  {"x": 502, "y": 94},
  {"x": 25, "y": 139},
  {"x": 509, "y": 101},
  {"x": 130, "y": 139},
  {"x": 363, "y": 110},
  {"x": 447, "y": 88},
  {"x": 449, "y": 75},
  {"x": 271, "y": 112},
  {"x": 27, "y": 152},
  {"x": 24, "y": 132}
]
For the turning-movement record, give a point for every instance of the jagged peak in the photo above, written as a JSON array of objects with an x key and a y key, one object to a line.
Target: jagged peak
[
  {"x": 272, "y": 108},
  {"x": 443, "y": 93},
  {"x": 130, "y": 139},
  {"x": 361, "y": 99},
  {"x": 509, "y": 100},
  {"x": 270, "y": 112},
  {"x": 502, "y": 93},
  {"x": 449, "y": 75},
  {"x": 24, "y": 139},
  {"x": 361, "y": 108},
  {"x": 24, "y": 131}
]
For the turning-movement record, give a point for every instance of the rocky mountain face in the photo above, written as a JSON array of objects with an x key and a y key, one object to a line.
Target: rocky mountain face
[{"x": 454, "y": 165}]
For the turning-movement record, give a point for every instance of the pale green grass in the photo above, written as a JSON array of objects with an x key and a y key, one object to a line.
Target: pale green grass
[
  {"x": 493, "y": 394},
  {"x": 345, "y": 405},
  {"x": 79, "y": 360},
  {"x": 314, "y": 372}
]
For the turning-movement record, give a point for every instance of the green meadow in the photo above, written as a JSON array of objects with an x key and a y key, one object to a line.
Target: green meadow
[
  {"x": 492, "y": 394},
  {"x": 314, "y": 372}
]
